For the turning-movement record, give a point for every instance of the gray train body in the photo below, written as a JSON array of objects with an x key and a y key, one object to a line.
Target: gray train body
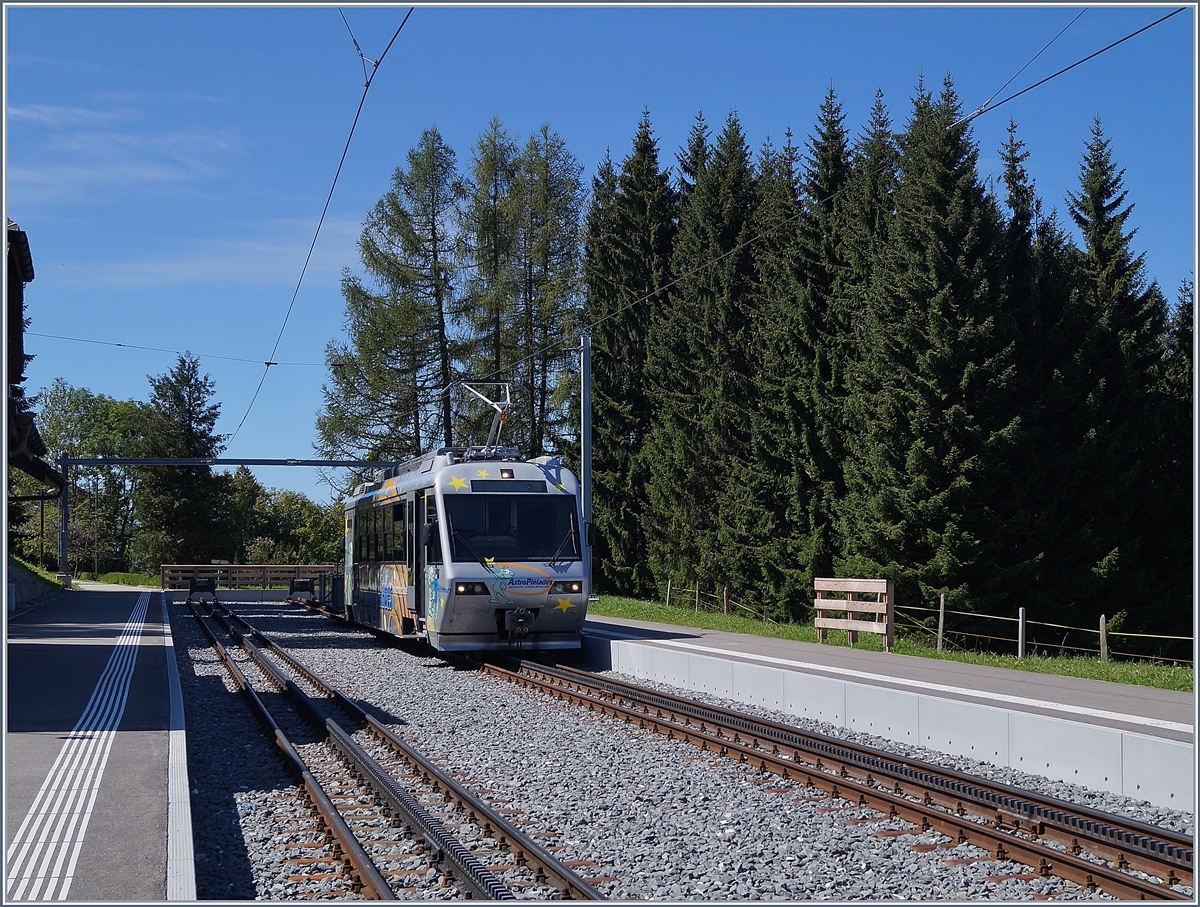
[{"x": 471, "y": 548}]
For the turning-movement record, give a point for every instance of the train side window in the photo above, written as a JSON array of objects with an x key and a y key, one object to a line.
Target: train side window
[
  {"x": 398, "y": 523},
  {"x": 373, "y": 537},
  {"x": 376, "y": 553},
  {"x": 434, "y": 555}
]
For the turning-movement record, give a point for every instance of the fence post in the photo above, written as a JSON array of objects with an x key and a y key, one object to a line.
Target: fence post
[
  {"x": 697, "y": 596},
  {"x": 1021, "y": 633},
  {"x": 941, "y": 620},
  {"x": 668, "y": 592},
  {"x": 1103, "y": 639},
  {"x": 725, "y": 596},
  {"x": 889, "y": 641}
]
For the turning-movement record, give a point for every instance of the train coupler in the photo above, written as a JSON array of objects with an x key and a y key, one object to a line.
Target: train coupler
[{"x": 518, "y": 623}]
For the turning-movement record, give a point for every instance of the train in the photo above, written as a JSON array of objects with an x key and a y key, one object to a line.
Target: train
[{"x": 470, "y": 548}]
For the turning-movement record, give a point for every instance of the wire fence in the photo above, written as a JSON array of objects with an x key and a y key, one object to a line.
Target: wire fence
[
  {"x": 713, "y": 603},
  {"x": 960, "y": 638}
]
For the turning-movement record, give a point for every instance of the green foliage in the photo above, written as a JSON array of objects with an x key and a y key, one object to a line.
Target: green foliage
[
  {"x": 898, "y": 375},
  {"x": 630, "y": 230},
  {"x": 180, "y": 507},
  {"x": 699, "y": 370},
  {"x": 79, "y": 423},
  {"x": 131, "y": 579},
  {"x": 41, "y": 573},
  {"x": 931, "y": 382},
  {"x": 464, "y": 279}
]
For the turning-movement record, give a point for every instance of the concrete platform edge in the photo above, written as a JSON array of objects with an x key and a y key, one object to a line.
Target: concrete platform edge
[
  {"x": 181, "y": 862},
  {"x": 1140, "y": 766}
]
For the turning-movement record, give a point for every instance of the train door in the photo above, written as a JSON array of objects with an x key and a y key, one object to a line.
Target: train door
[
  {"x": 348, "y": 575},
  {"x": 412, "y": 560}
]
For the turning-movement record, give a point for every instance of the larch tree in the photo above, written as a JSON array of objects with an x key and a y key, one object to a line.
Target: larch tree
[
  {"x": 549, "y": 194},
  {"x": 386, "y": 397},
  {"x": 488, "y": 245}
]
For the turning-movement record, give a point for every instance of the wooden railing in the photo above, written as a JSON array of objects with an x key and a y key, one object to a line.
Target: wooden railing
[
  {"x": 852, "y": 605},
  {"x": 242, "y": 576}
]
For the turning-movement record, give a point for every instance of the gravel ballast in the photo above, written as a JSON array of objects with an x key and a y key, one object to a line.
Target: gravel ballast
[{"x": 645, "y": 817}]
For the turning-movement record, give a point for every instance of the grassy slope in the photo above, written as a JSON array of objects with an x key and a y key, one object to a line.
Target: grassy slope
[
  {"x": 45, "y": 576},
  {"x": 1165, "y": 677}
]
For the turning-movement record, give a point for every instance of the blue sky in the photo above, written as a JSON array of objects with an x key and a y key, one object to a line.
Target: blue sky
[{"x": 170, "y": 164}]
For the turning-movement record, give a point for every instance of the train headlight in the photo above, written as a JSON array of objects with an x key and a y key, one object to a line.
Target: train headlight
[
  {"x": 567, "y": 587},
  {"x": 470, "y": 589}
]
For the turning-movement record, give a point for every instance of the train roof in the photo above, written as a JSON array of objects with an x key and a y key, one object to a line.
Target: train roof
[{"x": 447, "y": 457}]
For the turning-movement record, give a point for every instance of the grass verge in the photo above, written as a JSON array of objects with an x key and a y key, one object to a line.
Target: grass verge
[
  {"x": 130, "y": 579},
  {"x": 1140, "y": 673},
  {"x": 44, "y": 575}
]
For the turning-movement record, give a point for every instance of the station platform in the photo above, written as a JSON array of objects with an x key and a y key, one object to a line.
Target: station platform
[
  {"x": 95, "y": 759},
  {"x": 1130, "y": 740}
]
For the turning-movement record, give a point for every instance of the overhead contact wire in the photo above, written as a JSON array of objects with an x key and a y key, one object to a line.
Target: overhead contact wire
[{"x": 321, "y": 221}]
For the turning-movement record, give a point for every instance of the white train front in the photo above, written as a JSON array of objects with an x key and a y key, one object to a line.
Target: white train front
[{"x": 472, "y": 548}]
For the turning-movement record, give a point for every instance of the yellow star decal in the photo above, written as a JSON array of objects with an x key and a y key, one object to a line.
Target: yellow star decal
[
  {"x": 564, "y": 605},
  {"x": 561, "y": 487},
  {"x": 457, "y": 484},
  {"x": 483, "y": 473},
  {"x": 490, "y": 561}
]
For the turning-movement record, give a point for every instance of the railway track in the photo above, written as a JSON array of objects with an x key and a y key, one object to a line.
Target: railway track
[
  {"x": 379, "y": 819},
  {"x": 1095, "y": 850}
]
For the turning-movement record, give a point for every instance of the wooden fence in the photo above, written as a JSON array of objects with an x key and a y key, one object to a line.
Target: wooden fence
[
  {"x": 855, "y": 608},
  {"x": 242, "y": 576}
]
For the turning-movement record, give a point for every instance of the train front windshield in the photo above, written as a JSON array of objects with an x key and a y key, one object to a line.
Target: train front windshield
[{"x": 512, "y": 527}]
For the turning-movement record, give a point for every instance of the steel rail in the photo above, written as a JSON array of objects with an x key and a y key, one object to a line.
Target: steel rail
[
  {"x": 360, "y": 861},
  {"x": 1124, "y": 842},
  {"x": 923, "y": 813},
  {"x": 477, "y": 878},
  {"x": 569, "y": 883}
]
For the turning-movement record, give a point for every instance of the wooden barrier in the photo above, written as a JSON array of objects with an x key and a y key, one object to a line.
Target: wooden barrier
[
  {"x": 241, "y": 576},
  {"x": 852, "y": 606}
]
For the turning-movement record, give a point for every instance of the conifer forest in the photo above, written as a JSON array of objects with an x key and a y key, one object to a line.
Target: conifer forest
[{"x": 844, "y": 356}]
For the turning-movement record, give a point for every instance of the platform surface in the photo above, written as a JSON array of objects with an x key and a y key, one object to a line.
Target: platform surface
[
  {"x": 87, "y": 707},
  {"x": 1143, "y": 710}
]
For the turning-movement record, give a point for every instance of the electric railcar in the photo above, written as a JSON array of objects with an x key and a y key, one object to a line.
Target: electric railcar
[{"x": 472, "y": 548}]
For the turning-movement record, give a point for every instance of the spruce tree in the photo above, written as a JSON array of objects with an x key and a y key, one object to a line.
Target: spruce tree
[
  {"x": 627, "y": 258},
  {"x": 825, "y": 327},
  {"x": 180, "y": 508},
  {"x": 926, "y": 418},
  {"x": 1129, "y": 317},
  {"x": 781, "y": 553},
  {"x": 699, "y": 370}
]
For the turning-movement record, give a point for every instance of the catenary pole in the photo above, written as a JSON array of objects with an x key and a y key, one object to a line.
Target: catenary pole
[
  {"x": 585, "y": 449},
  {"x": 64, "y": 572}
]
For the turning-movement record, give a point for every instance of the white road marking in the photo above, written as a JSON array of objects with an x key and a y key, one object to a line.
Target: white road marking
[
  {"x": 916, "y": 684},
  {"x": 54, "y": 828}
]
